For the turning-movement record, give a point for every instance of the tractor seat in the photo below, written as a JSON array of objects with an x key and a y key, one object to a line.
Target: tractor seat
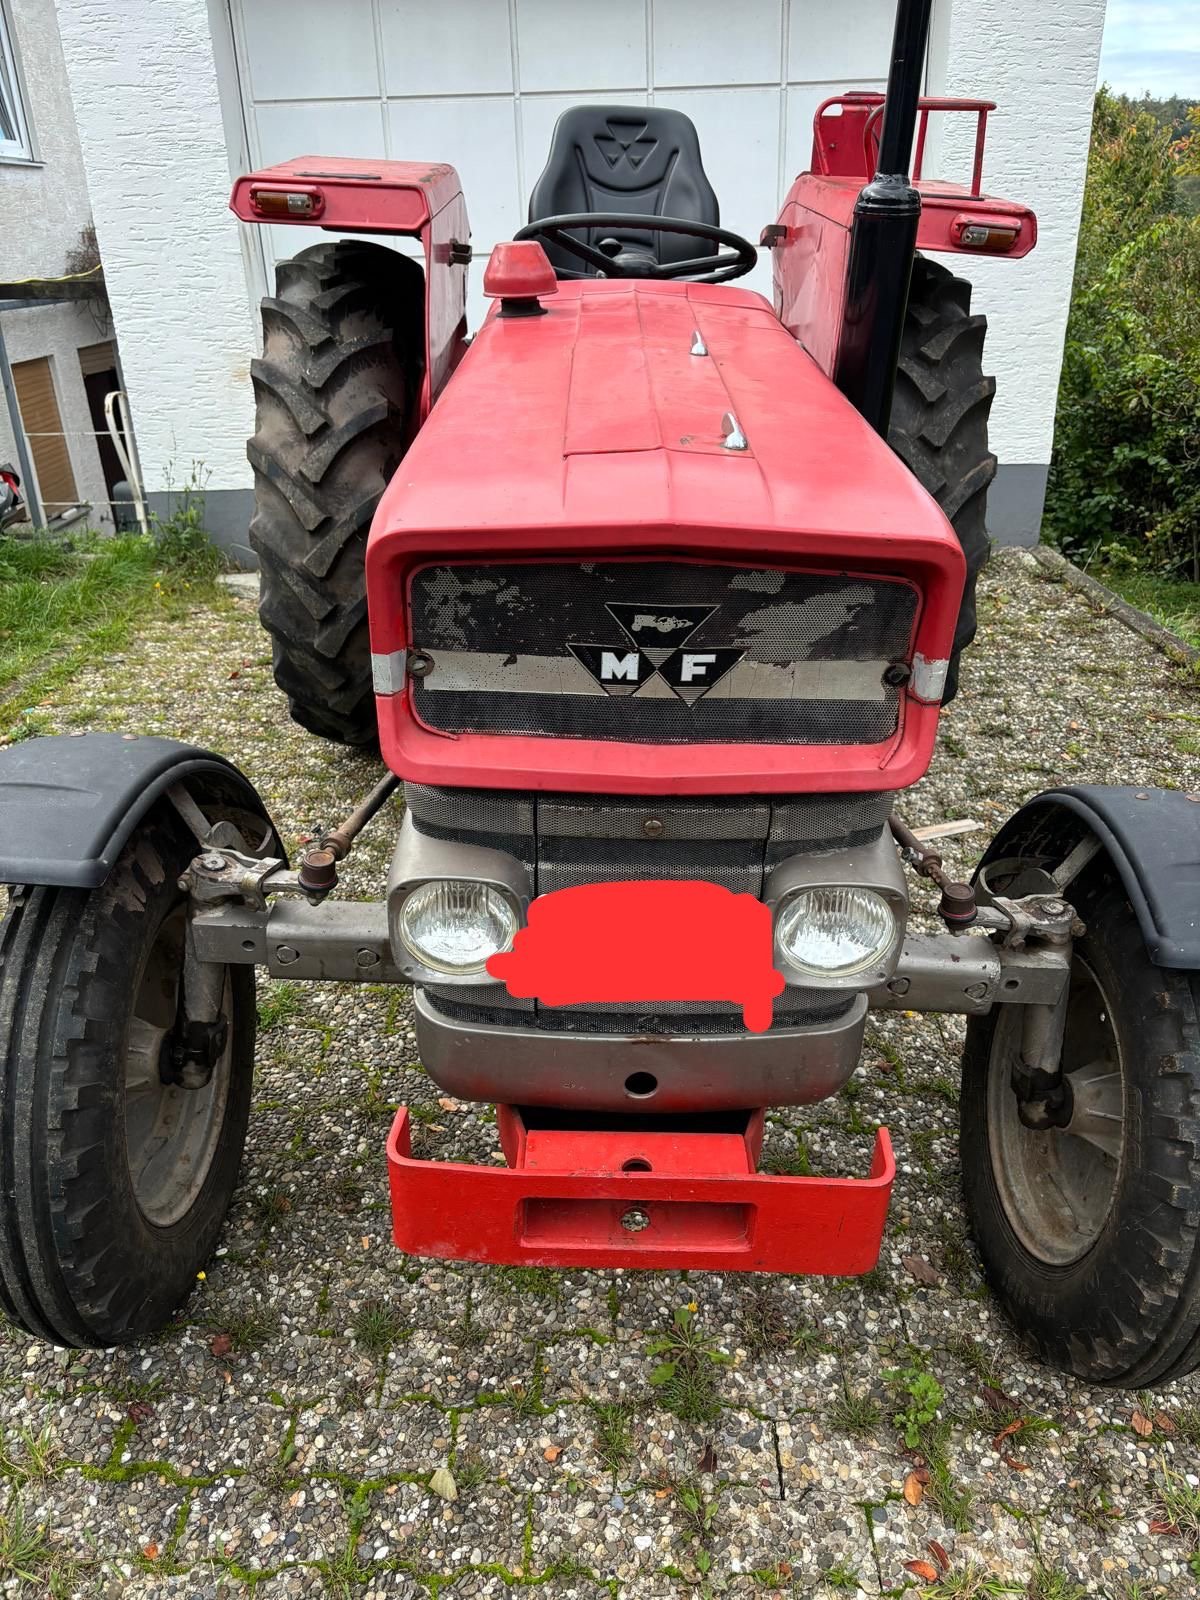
[{"x": 641, "y": 159}]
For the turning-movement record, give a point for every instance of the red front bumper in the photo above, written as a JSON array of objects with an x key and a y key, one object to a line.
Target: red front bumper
[{"x": 596, "y": 1198}]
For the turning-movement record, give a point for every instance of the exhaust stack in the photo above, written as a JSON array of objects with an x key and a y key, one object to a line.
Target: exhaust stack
[{"x": 883, "y": 236}]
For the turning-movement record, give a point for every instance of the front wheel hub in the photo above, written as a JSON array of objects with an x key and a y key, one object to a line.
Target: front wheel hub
[
  {"x": 1057, "y": 1178},
  {"x": 172, "y": 1123}
]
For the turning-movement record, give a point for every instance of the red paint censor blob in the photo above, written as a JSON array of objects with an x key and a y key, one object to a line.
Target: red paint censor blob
[{"x": 645, "y": 942}]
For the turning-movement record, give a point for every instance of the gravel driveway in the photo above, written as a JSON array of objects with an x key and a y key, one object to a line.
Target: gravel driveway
[{"x": 281, "y": 1439}]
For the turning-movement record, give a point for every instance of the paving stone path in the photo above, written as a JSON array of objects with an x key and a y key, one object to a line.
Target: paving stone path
[{"x": 282, "y": 1438}]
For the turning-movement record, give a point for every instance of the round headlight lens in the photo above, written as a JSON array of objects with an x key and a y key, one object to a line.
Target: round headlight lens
[
  {"x": 834, "y": 933},
  {"x": 451, "y": 925}
]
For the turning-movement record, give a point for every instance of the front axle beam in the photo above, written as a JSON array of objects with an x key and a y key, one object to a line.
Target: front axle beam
[{"x": 347, "y": 941}]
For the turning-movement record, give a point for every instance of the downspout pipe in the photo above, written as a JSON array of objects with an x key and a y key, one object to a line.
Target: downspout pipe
[{"x": 883, "y": 236}]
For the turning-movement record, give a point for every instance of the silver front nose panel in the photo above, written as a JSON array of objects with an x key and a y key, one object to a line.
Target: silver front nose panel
[{"x": 638, "y": 1072}]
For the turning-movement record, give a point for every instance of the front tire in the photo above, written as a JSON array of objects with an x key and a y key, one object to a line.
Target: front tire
[
  {"x": 114, "y": 1185},
  {"x": 1091, "y": 1238}
]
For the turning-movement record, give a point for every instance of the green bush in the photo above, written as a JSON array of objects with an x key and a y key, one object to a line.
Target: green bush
[
  {"x": 181, "y": 537},
  {"x": 1124, "y": 483}
]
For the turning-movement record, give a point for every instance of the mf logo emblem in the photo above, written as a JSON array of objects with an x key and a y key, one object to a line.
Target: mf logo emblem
[
  {"x": 627, "y": 139},
  {"x": 658, "y": 635}
]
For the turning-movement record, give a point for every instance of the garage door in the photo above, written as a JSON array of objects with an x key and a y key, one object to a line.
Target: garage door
[{"x": 480, "y": 83}]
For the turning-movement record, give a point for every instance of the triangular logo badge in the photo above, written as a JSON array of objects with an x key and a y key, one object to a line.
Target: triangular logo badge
[
  {"x": 692, "y": 673},
  {"x": 617, "y": 671},
  {"x": 650, "y": 625},
  {"x": 627, "y": 133}
]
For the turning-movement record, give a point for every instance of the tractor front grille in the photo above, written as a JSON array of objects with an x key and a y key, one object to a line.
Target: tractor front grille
[
  {"x": 659, "y": 652},
  {"x": 566, "y": 840}
]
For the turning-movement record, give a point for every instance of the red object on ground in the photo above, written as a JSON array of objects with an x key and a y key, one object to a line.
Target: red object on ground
[
  {"x": 598, "y": 1198},
  {"x": 647, "y": 941}
]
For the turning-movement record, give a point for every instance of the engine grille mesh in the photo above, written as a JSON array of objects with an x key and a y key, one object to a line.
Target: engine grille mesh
[{"x": 659, "y": 652}]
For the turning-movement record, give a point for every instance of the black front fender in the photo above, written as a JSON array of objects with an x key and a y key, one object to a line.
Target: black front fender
[
  {"x": 68, "y": 804},
  {"x": 1152, "y": 837}
]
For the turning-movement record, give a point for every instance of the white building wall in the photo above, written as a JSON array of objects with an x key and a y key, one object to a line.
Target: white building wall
[
  {"x": 44, "y": 209},
  {"x": 169, "y": 107},
  {"x": 145, "y": 89},
  {"x": 43, "y": 204},
  {"x": 1040, "y": 63}
]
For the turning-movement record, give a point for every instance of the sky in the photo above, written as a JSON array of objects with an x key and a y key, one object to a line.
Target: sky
[{"x": 1152, "y": 45}]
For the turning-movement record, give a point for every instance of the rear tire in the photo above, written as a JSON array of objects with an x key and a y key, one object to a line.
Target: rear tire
[
  {"x": 333, "y": 391},
  {"x": 1094, "y": 1253},
  {"x": 939, "y": 424},
  {"x": 113, "y": 1186}
]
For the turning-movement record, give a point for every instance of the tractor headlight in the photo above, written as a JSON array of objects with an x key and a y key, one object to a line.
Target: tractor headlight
[
  {"x": 834, "y": 932},
  {"x": 452, "y": 925}
]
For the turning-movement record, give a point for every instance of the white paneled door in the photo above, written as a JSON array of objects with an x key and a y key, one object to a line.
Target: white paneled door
[{"x": 481, "y": 82}]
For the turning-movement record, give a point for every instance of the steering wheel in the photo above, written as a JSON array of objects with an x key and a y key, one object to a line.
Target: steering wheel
[{"x": 614, "y": 260}]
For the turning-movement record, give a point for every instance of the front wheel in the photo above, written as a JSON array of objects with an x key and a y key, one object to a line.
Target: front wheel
[
  {"x": 1090, "y": 1233},
  {"x": 115, "y": 1179}
]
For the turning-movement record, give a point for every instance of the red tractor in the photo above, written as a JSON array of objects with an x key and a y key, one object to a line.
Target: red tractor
[{"x": 648, "y": 587}]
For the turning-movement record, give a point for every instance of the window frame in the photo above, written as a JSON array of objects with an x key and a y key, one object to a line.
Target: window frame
[{"x": 21, "y": 148}]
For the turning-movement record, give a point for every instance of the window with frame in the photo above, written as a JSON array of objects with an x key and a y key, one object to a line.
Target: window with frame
[{"x": 14, "y": 125}]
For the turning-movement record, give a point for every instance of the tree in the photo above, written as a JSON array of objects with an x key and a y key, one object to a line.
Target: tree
[{"x": 1124, "y": 478}]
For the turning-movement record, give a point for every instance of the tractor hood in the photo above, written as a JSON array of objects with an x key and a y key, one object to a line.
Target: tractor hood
[
  {"x": 608, "y": 412},
  {"x": 680, "y": 427}
]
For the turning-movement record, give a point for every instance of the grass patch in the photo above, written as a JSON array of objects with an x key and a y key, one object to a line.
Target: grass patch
[
  {"x": 1175, "y": 605},
  {"x": 279, "y": 1002},
  {"x": 763, "y": 1325},
  {"x": 855, "y": 1412},
  {"x": 64, "y": 603},
  {"x": 685, "y": 1377},
  {"x": 613, "y": 1438},
  {"x": 1179, "y": 1509},
  {"x": 1049, "y": 1583},
  {"x": 969, "y": 1583},
  {"x": 249, "y": 1329},
  {"x": 27, "y": 1557},
  {"x": 377, "y": 1327},
  {"x": 788, "y": 1160},
  {"x": 542, "y": 1282},
  {"x": 29, "y": 1457}
]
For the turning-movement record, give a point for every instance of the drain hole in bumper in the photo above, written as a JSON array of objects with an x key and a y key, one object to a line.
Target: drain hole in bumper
[{"x": 641, "y": 1085}]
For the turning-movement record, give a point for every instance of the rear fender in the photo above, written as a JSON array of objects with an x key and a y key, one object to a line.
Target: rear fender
[
  {"x": 69, "y": 804},
  {"x": 413, "y": 199},
  {"x": 1152, "y": 838},
  {"x": 809, "y": 243}
]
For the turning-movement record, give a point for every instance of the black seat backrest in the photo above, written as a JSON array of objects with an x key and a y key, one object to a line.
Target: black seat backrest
[{"x": 643, "y": 159}]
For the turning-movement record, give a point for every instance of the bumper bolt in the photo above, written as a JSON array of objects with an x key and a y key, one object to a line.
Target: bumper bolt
[
  {"x": 976, "y": 991},
  {"x": 285, "y": 954},
  {"x": 635, "y": 1220},
  {"x": 366, "y": 958},
  {"x": 899, "y": 985}
]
